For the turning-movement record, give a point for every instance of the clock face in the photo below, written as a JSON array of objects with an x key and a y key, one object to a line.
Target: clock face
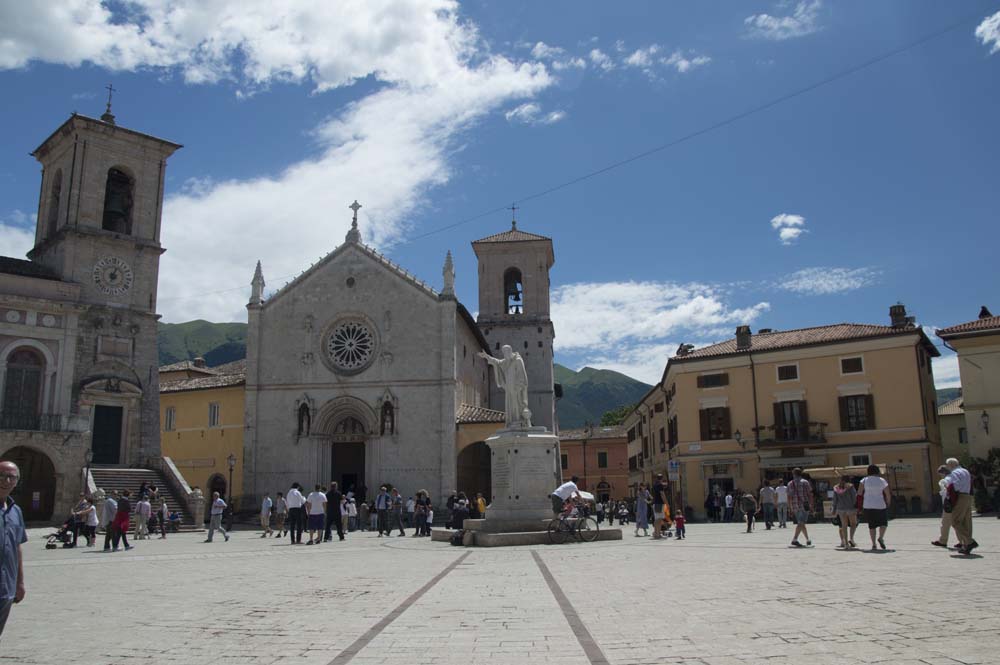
[{"x": 113, "y": 276}]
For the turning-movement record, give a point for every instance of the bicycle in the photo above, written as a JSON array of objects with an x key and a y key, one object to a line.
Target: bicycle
[{"x": 574, "y": 521}]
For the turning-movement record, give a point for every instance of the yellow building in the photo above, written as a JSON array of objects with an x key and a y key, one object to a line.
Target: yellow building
[
  {"x": 754, "y": 407},
  {"x": 201, "y": 421},
  {"x": 954, "y": 433},
  {"x": 978, "y": 346}
]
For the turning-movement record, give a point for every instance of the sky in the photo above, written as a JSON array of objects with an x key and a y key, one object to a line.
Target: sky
[{"x": 698, "y": 165}]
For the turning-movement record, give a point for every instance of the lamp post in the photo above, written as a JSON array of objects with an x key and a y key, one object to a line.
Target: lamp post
[
  {"x": 231, "y": 460},
  {"x": 985, "y": 418},
  {"x": 88, "y": 458}
]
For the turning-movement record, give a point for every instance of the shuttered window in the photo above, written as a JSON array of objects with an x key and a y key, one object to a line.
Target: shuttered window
[
  {"x": 791, "y": 421},
  {"x": 713, "y": 380},
  {"x": 857, "y": 412},
  {"x": 715, "y": 424}
]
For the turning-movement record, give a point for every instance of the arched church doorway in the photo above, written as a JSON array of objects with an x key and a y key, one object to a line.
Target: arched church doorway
[
  {"x": 474, "y": 470},
  {"x": 217, "y": 483},
  {"x": 36, "y": 491},
  {"x": 347, "y": 461}
]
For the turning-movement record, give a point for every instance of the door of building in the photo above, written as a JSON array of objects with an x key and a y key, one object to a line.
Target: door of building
[
  {"x": 36, "y": 491},
  {"x": 106, "y": 441},
  {"x": 347, "y": 466}
]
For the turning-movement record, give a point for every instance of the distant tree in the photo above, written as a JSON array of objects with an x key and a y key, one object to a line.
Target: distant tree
[{"x": 616, "y": 416}]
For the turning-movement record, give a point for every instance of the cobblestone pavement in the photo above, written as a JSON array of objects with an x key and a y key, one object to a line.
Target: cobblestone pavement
[{"x": 721, "y": 597}]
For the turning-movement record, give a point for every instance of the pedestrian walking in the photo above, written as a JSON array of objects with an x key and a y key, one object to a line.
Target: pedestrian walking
[
  {"x": 382, "y": 503},
  {"x": 767, "y": 504},
  {"x": 411, "y": 505},
  {"x": 481, "y": 504},
  {"x": 659, "y": 501},
  {"x": 429, "y": 523},
  {"x": 946, "y": 525},
  {"x": 280, "y": 515},
  {"x": 845, "y": 507},
  {"x": 316, "y": 514},
  {"x": 450, "y": 505},
  {"x": 352, "y": 515},
  {"x": 875, "y": 497},
  {"x": 265, "y": 515},
  {"x": 143, "y": 511},
  {"x": 420, "y": 513},
  {"x": 12, "y": 536},
  {"x": 396, "y": 512},
  {"x": 749, "y": 506},
  {"x": 89, "y": 520},
  {"x": 679, "y": 525},
  {"x": 364, "y": 516},
  {"x": 120, "y": 523},
  {"x": 642, "y": 498},
  {"x": 215, "y": 517},
  {"x": 334, "y": 512},
  {"x": 108, "y": 512},
  {"x": 959, "y": 487},
  {"x": 781, "y": 503},
  {"x": 800, "y": 501},
  {"x": 164, "y": 516},
  {"x": 728, "y": 515},
  {"x": 296, "y": 514}
]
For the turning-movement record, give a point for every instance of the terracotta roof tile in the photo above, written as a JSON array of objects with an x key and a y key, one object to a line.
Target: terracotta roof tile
[
  {"x": 469, "y": 414},
  {"x": 187, "y": 366},
  {"x": 785, "y": 339},
  {"x": 985, "y": 324},
  {"x": 514, "y": 235},
  {"x": 616, "y": 432},
  {"x": 12, "y": 266},
  {"x": 953, "y": 407},
  {"x": 203, "y": 383}
]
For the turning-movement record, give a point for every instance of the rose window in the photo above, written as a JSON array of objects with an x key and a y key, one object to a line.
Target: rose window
[{"x": 350, "y": 345}]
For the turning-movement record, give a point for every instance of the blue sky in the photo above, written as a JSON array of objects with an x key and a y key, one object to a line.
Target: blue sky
[{"x": 828, "y": 206}]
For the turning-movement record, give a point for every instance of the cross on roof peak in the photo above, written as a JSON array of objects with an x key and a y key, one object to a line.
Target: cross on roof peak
[
  {"x": 355, "y": 207},
  {"x": 108, "y": 116},
  {"x": 513, "y": 216}
]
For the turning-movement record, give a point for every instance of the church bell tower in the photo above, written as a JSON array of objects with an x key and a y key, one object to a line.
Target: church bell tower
[{"x": 514, "y": 309}]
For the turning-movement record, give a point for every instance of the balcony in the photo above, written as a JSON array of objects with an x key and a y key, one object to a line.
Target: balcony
[
  {"x": 783, "y": 435},
  {"x": 31, "y": 422}
]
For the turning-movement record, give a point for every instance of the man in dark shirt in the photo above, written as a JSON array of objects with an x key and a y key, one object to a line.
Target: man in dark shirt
[
  {"x": 659, "y": 501},
  {"x": 12, "y": 536},
  {"x": 333, "y": 516}
]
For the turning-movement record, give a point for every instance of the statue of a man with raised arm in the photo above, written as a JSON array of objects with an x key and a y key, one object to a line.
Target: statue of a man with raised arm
[{"x": 512, "y": 378}]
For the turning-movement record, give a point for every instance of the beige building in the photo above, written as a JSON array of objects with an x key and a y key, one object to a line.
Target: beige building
[
  {"x": 978, "y": 346},
  {"x": 754, "y": 407},
  {"x": 954, "y": 433}
]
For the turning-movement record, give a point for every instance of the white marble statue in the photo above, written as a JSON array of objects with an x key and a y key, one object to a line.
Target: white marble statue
[{"x": 512, "y": 378}]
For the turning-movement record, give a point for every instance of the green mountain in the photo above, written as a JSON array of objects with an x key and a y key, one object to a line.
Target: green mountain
[
  {"x": 587, "y": 394},
  {"x": 217, "y": 343},
  {"x": 947, "y": 394}
]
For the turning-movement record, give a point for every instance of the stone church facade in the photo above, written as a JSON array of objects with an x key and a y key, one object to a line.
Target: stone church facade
[
  {"x": 360, "y": 373},
  {"x": 78, "y": 350}
]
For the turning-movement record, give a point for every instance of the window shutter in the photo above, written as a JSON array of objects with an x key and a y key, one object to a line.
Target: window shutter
[
  {"x": 726, "y": 429},
  {"x": 779, "y": 422},
  {"x": 804, "y": 412},
  {"x": 844, "y": 423},
  {"x": 724, "y": 379},
  {"x": 870, "y": 411},
  {"x": 703, "y": 416},
  {"x": 701, "y": 382}
]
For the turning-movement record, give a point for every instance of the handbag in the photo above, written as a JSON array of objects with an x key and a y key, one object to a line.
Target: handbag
[{"x": 836, "y": 520}]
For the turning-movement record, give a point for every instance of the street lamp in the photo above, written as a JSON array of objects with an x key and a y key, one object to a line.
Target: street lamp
[
  {"x": 738, "y": 435},
  {"x": 231, "y": 460}
]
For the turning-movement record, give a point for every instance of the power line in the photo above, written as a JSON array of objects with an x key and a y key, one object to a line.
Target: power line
[{"x": 718, "y": 125}]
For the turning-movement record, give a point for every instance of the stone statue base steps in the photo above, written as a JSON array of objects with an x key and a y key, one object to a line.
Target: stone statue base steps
[{"x": 525, "y": 468}]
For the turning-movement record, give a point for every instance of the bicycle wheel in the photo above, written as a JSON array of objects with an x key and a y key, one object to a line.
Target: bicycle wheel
[
  {"x": 587, "y": 529},
  {"x": 557, "y": 532}
]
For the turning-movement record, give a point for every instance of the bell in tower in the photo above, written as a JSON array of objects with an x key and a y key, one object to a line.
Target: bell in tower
[
  {"x": 513, "y": 290},
  {"x": 118, "y": 203}
]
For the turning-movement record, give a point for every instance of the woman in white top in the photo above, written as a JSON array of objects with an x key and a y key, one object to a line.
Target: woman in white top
[{"x": 875, "y": 503}]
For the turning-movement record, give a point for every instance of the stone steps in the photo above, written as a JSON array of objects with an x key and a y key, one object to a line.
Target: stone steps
[{"x": 123, "y": 478}]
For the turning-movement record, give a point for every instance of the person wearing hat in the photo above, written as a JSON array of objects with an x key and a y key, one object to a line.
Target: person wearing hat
[{"x": 946, "y": 525}]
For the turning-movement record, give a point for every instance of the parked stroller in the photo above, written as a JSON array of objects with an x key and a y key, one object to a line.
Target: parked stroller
[{"x": 63, "y": 535}]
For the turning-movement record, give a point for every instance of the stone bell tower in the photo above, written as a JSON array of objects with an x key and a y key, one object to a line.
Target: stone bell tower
[
  {"x": 514, "y": 309},
  {"x": 99, "y": 227}
]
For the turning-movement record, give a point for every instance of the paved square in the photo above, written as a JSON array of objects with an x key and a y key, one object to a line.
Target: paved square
[{"x": 721, "y": 597}]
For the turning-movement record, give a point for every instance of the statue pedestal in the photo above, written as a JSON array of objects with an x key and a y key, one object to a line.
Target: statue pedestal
[{"x": 524, "y": 471}]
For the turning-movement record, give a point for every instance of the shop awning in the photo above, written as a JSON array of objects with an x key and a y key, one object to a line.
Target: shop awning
[{"x": 835, "y": 472}]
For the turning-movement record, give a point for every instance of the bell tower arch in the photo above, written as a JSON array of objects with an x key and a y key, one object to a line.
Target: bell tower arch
[{"x": 514, "y": 305}]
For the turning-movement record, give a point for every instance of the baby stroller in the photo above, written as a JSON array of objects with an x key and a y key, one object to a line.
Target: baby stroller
[{"x": 63, "y": 535}]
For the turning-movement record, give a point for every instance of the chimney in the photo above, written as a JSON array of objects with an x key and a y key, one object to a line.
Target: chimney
[
  {"x": 199, "y": 362},
  {"x": 742, "y": 338},
  {"x": 684, "y": 349},
  {"x": 897, "y": 315},
  {"x": 984, "y": 312}
]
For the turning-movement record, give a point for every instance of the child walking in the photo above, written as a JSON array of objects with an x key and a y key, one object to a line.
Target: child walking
[{"x": 679, "y": 526}]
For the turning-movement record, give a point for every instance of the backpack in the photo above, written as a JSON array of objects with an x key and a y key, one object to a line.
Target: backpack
[{"x": 457, "y": 537}]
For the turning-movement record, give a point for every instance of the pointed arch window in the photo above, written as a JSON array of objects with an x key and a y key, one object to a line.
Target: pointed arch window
[
  {"x": 22, "y": 394},
  {"x": 388, "y": 420},
  {"x": 55, "y": 194},
  {"x": 513, "y": 291},
  {"x": 118, "y": 200},
  {"x": 304, "y": 420}
]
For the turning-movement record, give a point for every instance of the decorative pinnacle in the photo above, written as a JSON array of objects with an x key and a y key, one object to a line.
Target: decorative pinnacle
[
  {"x": 354, "y": 235},
  {"x": 513, "y": 216},
  {"x": 108, "y": 116},
  {"x": 257, "y": 286},
  {"x": 449, "y": 276}
]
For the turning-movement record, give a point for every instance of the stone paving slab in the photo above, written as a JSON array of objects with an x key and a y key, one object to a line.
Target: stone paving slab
[{"x": 721, "y": 597}]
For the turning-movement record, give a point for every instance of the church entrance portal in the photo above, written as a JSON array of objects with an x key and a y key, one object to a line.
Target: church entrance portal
[
  {"x": 347, "y": 461},
  {"x": 474, "y": 471},
  {"x": 36, "y": 491},
  {"x": 107, "y": 435}
]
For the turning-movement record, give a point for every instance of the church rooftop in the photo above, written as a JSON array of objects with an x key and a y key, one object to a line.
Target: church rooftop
[
  {"x": 513, "y": 235},
  {"x": 468, "y": 414},
  {"x": 12, "y": 266}
]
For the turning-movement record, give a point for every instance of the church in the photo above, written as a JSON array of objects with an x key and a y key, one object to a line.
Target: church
[{"x": 359, "y": 372}]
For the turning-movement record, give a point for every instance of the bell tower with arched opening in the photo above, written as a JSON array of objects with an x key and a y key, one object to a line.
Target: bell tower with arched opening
[
  {"x": 98, "y": 227},
  {"x": 514, "y": 309}
]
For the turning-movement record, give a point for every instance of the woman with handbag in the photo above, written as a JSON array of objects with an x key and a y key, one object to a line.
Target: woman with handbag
[{"x": 845, "y": 510}]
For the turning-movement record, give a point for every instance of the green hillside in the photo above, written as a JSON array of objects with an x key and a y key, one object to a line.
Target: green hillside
[
  {"x": 587, "y": 394},
  {"x": 947, "y": 394},
  {"x": 217, "y": 343}
]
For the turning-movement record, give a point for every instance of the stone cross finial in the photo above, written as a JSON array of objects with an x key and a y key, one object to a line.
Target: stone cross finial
[
  {"x": 513, "y": 216},
  {"x": 109, "y": 117},
  {"x": 354, "y": 235},
  {"x": 257, "y": 286},
  {"x": 449, "y": 276}
]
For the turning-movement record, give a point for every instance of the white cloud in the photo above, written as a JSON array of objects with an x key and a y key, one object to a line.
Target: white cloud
[
  {"x": 543, "y": 51},
  {"x": 569, "y": 63},
  {"x": 385, "y": 149},
  {"x": 644, "y": 362},
  {"x": 557, "y": 57},
  {"x": 989, "y": 32},
  {"x": 803, "y": 21},
  {"x": 683, "y": 64},
  {"x": 946, "y": 371},
  {"x": 530, "y": 113},
  {"x": 643, "y": 57},
  {"x": 825, "y": 281},
  {"x": 17, "y": 233},
  {"x": 601, "y": 59},
  {"x": 789, "y": 227}
]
